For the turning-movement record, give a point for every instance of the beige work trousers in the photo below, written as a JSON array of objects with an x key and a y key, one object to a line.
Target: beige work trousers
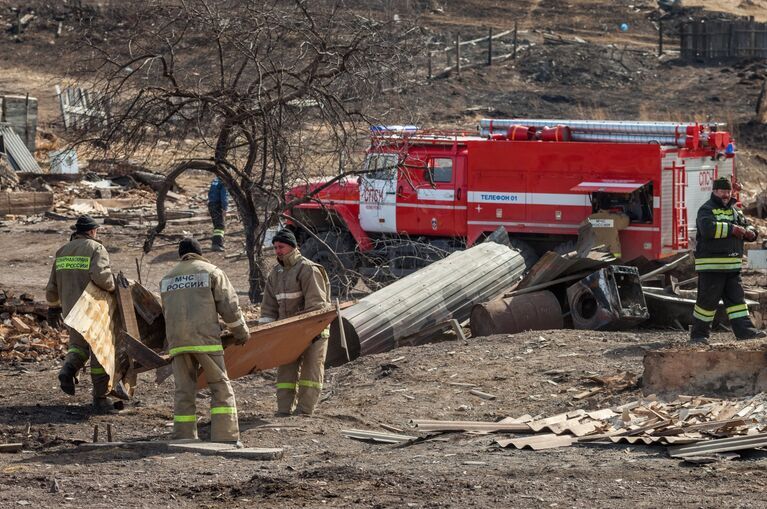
[
  {"x": 77, "y": 355},
  {"x": 223, "y": 409},
  {"x": 302, "y": 378}
]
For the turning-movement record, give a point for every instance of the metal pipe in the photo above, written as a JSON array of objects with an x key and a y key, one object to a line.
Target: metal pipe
[
  {"x": 680, "y": 141},
  {"x": 598, "y": 126}
]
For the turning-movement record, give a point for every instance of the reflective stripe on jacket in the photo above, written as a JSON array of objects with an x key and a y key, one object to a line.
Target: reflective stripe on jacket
[
  {"x": 194, "y": 294},
  {"x": 295, "y": 286},
  {"x": 717, "y": 249},
  {"x": 77, "y": 263}
]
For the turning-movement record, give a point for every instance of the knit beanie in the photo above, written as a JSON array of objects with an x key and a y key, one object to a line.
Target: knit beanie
[
  {"x": 286, "y": 237},
  {"x": 189, "y": 245},
  {"x": 722, "y": 183}
]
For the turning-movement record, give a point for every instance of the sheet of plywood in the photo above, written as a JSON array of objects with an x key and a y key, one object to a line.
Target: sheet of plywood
[
  {"x": 273, "y": 344},
  {"x": 93, "y": 317}
]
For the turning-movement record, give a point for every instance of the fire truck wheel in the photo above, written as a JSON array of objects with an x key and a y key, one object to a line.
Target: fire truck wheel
[
  {"x": 527, "y": 252},
  {"x": 342, "y": 280}
]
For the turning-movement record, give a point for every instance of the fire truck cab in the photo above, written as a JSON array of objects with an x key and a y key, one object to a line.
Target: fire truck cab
[{"x": 424, "y": 194}]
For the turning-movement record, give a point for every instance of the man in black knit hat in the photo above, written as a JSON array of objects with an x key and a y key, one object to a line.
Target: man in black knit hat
[
  {"x": 722, "y": 229},
  {"x": 194, "y": 294},
  {"x": 81, "y": 261},
  {"x": 297, "y": 285}
]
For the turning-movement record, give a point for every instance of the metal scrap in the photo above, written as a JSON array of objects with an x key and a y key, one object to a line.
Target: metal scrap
[{"x": 377, "y": 436}]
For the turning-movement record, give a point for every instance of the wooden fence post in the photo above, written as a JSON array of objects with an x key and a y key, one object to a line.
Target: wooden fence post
[
  {"x": 660, "y": 38},
  {"x": 458, "y": 54},
  {"x": 514, "y": 51},
  {"x": 490, "y": 46}
]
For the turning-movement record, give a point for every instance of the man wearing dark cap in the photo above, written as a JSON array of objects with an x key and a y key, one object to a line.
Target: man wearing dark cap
[
  {"x": 722, "y": 229},
  {"x": 297, "y": 285},
  {"x": 194, "y": 294},
  {"x": 81, "y": 261}
]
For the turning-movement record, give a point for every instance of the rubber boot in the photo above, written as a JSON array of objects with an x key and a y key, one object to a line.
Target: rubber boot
[
  {"x": 699, "y": 332},
  {"x": 104, "y": 406},
  {"x": 68, "y": 378},
  {"x": 217, "y": 243},
  {"x": 744, "y": 329}
]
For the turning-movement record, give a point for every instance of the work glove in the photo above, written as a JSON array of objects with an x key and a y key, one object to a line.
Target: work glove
[
  {"x": 241, "y": 335},
  {"x": 750, "y": 235},
  {"x": 738, "y": 231},
  {"x": 53, "y": 317}
]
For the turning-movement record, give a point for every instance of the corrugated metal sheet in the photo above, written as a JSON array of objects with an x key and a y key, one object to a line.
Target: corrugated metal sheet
[
  {"x": 719, "y": 445},
  {"x": 444, "y": 290},
  {"x": 18, "y": 154},
  {"x": 553, "y": 265},
  {"x": 538, "y": 442}
]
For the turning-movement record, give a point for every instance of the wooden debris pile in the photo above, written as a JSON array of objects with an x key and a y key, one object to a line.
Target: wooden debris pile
[
  {"x": 609, "y": 383},
  {"x": 693, "y": 426},
  {"x": 24, "y": 336}
]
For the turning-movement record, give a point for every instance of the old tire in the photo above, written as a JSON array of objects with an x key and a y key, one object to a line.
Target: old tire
[{"x": 342, "y": 276}]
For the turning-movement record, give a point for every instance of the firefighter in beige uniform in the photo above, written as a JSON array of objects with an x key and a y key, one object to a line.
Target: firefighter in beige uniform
[
  {"x": 81, "y": 261},
  {"x": 297, "y": 285},
  {"x": 194, "y": 294}
]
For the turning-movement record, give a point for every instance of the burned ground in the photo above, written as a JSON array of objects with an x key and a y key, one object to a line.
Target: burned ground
[{"x": 535, "y": 373}]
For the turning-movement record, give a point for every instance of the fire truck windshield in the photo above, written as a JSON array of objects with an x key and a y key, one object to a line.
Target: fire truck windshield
[{"x": 381, "y": 166}]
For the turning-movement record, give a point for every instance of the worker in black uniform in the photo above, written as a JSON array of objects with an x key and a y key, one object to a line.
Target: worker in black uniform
[
  {"x": 722, "y": 229},
  {"x": 218, "y": 203}
]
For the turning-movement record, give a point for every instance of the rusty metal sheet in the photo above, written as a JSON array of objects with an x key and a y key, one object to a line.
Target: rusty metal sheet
[
  {"x": 273, "y": 344},
  {"x": 553, "y": 265}
]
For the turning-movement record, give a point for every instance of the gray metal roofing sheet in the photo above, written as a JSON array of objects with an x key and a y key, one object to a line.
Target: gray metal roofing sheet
[{"x": 19, "y": 156}]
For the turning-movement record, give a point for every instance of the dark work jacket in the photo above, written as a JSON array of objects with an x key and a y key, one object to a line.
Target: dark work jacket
[{"x": 717, "y": 249}]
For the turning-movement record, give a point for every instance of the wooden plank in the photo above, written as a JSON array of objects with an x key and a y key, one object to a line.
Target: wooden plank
[
  {"x": 431, "y": 425},
  {"x": 129, "y": 325},
  {"x": 109, "y": 203},
  {"x": 145, "y": 303},
  {"x": 140, "y": 353},
  {"x": 11, "y": 448},
  {"x": 376, "y": 436},
  {"x": 125, "y": 305},
  {"x": 19, "y": 325},
  {"x": 273, "y": 344},
  {"x": 25, "y": 203}
]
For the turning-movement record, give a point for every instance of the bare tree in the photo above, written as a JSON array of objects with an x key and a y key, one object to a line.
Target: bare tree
[{"x": 278, "y": 92}]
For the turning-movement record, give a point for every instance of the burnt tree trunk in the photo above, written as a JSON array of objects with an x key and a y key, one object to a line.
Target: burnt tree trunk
[
  {"x": 761, "y": 105},
  {"x": 248, "y": 213}
]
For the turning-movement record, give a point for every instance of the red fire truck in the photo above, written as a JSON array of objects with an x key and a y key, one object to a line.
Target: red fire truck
[{"x": 424, "y": 194}]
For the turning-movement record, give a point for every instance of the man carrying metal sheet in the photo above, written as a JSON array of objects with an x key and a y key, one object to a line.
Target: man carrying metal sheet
[
  {"x": 194, "y": 294},
  {"x": 722, "y": 229},
  {"x": 297, "y": 285},
  {"x": 82, "y": 260}
]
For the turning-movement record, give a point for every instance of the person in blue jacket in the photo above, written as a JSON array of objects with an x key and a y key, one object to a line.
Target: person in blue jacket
[{"x": 218, "y": 203}]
